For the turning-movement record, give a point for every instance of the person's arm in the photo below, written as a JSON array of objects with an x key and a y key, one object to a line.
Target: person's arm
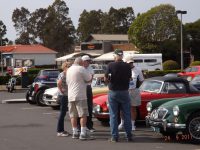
[{"x": 59, "y": 83}]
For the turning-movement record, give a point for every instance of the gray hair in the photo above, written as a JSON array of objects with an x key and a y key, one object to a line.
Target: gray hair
[{"x": 78, "y": 61}]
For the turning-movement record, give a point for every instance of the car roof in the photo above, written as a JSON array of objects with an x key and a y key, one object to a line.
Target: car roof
[
  {"x": 168, "y": 79},
  {"x": 49, "y": 70}
]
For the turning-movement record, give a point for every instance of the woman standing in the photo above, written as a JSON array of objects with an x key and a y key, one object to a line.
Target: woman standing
[{"x": 63, "y": 98}]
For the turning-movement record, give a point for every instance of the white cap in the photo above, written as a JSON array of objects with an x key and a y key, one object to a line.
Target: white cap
[
  {"x": 129, "y": 59},
  {"x": 85, "y": 58}
]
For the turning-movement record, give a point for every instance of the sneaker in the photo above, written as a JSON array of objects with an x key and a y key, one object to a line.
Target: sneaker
[
  {"x": 113, "y": 140},
  {"x": 120, "y": 127},
  {"x": 133, "y": 128},
  {"x": 63, "y": 134},
  {"x": 86, "y": 137},
  {"x": 75, "y": 136}
]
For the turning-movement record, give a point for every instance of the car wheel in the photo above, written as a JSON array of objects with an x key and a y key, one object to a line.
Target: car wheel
[
  {"x": 28, "y": 98},
  {"x": 39, "y": 98},
  {"x": 193, "y": 128}
]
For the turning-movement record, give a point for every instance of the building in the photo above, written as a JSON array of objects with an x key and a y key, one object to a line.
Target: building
[
  {"x": 104, "y": 43},
  {"x": 27, "y": 55}
]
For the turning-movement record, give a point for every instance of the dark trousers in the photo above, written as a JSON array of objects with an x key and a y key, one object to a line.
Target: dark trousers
[
  {"x": 89, "y": 123},
  {"x": 63, "y": 109}
]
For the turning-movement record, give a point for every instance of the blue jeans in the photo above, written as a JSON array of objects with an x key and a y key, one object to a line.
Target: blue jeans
[
  {"x": 119, "y": 99},
  {"x": 63, "y": 109}
]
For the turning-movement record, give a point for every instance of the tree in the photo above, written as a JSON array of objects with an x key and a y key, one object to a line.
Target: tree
[
  {"x": 192, "y": 31},
  {"x": 51, "y": 27},
  {"x": 3, "y": 41},
  {"x": 89, "y": 22},
  {"x": 20, "y": 17},
  {"x": 116, "y": 21},
  {"x": 156, "y": 27}
]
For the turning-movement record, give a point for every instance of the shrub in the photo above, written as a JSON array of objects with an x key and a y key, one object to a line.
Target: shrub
[
  {"x": 170, "y": 65},
  {"x": 195, "y": 63}
]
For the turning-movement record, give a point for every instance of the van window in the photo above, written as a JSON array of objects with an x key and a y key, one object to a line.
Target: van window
[
  {"x": 138, "y": 60},
  {"x": 150, "y": 60}
]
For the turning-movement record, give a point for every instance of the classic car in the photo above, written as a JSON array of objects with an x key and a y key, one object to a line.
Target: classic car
[
  {"x": 45, "y": 79},
  {"x": 196, "y": 82},
  {"x": 176, "y": 118},
  {"x": 151, "y": 89},
  {"x": 50, "y": 95},
  {"x": 190, "y": 72}
]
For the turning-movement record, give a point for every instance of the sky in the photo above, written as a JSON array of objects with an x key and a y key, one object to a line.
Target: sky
[{"x": 77, "y": 6}]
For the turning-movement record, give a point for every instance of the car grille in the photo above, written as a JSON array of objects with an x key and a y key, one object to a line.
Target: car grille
[
  {"x": 48, "y": 96},
  {"x": 159, "y": 114}
]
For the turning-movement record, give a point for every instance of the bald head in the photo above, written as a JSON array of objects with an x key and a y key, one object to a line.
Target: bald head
[{"x": 78, "y": 61}]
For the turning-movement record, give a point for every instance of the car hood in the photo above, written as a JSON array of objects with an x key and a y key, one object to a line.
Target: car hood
[
  {"x": 181, "y": 101},
  {"x": 51, "y": 91}
]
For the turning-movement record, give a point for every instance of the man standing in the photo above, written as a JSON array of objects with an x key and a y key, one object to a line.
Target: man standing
[
  {"x": 134, "y": 92},
  {"x": 86, "y": 63},
  {"x": 77, "y": 79},
  {"x": 118, "y": 75}
]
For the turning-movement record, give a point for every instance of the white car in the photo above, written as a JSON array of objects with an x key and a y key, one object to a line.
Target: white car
[{"x": 50, "y": 97}]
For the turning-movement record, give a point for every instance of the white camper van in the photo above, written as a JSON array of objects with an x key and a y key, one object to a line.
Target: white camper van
[
  {"x": 146, "y": 62},
  {"x": 149, "y": 62}
]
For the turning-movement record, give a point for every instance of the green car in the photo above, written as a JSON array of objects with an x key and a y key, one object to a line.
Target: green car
[{"x": 175, "y": 118}]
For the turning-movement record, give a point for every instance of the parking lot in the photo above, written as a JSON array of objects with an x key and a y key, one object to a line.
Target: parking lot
[{"x": 29, "y": 127}]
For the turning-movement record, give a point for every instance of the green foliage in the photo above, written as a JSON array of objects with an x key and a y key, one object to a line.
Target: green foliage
[
  {"x": 116, "y": 21},
  {"x": 51, "y": 27},
  {"x": 150, "y": 74},
  {"x": 3, "y": 41},
  {"x": 170, "y": 65},
  {"x": 158, "y": 26},
  {"x": 193, "y": 38},
  {"x": 195, "y": 63}
]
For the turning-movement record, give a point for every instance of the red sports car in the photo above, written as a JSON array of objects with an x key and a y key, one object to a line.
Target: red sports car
[
  {"x": 151, "y": 89},
  {"x": 190, "y": 72}
]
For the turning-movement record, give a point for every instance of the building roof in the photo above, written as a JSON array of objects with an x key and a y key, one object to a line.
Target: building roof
[
  {"x": 108, "y": 37},
  {"x": 31, "y": 49}
]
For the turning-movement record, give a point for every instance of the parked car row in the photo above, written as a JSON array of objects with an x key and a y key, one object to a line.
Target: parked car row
[{"x": 151, "y": 89}]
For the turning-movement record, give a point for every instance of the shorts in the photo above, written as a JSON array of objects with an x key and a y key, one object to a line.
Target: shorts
[
  {"x": 78, "y": 108},
  {"x": 135, "y": 97}
]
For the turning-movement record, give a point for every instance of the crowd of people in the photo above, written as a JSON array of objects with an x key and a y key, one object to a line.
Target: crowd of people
[{"x": 75, "y": 96}]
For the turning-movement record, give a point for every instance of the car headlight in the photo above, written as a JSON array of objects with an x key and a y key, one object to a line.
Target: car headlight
[
  {"x": 149, "y": 107},
  {"x": 55, "y": 97},
  {"x": 97, "y": 108},
  {"x": 176, "y": 110}
]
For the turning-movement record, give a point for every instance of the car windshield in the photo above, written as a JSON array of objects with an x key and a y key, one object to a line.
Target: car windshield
[
  {"x": 151, "y": 86},
  {"x": 174, "y": 87},
  {"x": 98, "y": 82},
  {"x": 196, "y": 79}
]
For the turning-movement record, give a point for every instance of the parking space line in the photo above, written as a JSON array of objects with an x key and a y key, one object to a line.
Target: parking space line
[{"x": 29, "y": 108}]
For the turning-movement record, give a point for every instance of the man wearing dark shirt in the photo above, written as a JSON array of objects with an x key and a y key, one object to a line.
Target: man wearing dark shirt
[{"x": 118, "y": 75}]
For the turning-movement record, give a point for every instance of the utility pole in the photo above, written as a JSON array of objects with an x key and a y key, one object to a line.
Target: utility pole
[{"x": 181, "y": 12}]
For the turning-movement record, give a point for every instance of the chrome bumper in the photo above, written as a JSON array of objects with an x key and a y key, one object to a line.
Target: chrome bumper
[{"x": 164, "y": 124}]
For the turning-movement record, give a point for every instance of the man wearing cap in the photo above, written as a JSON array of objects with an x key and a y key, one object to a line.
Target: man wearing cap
[
  {"x": 134, "y": 92},
  {"x": 118, "y": 75},
  {"x": 86, "y": 63}
]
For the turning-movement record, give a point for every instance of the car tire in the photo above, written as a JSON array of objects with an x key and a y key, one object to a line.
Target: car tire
[
  {"x": 28, "y": 98},
  {"x": 193, "y": 128},
  {"x": 39, "y": 98}
]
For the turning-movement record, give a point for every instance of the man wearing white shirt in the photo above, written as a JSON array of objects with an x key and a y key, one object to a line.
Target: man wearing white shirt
[{"x": 77, "y": 79}]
